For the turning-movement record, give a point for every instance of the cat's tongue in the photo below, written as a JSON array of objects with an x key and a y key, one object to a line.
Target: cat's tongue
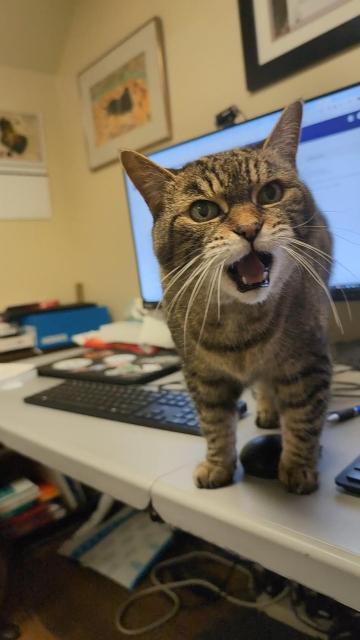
[{"x": 250, "y": 269}]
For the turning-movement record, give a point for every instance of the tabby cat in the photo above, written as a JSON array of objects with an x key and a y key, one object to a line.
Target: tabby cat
[{"x": 245, "y": 257}]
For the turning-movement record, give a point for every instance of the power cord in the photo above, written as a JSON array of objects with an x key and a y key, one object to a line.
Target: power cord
[{"x": 167, "y": 588}]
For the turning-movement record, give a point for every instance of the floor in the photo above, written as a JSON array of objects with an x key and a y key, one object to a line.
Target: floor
[{"x": 52, "y": 598}]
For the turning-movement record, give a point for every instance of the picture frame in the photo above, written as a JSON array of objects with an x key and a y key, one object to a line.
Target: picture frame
[
  {"x": 281, "y": 37},
  {"x": 124, "y": 96},
  {"x": 22, "y": 147}
]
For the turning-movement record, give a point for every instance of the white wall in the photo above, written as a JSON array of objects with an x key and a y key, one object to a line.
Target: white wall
[
  {"x": 34, "y": 255},
  {"x": 205, "y": 71},
  {"x": 89, "y": 239}
]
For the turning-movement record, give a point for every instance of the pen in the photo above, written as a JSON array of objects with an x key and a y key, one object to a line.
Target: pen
[{"x": 344, "y": 414}]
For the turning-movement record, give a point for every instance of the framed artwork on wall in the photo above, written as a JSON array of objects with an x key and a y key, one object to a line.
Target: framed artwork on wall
[
  {"x": 281, "y": 37},
  {"x": 124, "y": 96},
  {"x": 22, "y": 149}
]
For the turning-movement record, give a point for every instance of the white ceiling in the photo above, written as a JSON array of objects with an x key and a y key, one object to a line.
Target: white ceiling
[{"x": 33, "y": 32}]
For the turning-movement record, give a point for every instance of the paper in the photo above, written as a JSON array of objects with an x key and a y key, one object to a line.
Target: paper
[
  {"x": 24, "y": 196},
  {"x": 154, "y": 331},
  {"x": 121, "y": 331},
  {"x": 11, "y": 372},
  {"x": 123, "y": 548}
]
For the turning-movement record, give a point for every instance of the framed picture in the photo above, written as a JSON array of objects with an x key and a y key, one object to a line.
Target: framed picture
[
  {"x": 124, "y": 96},
  {"x": 283, "y": 36},
  {"x": 22, "y": 148}
]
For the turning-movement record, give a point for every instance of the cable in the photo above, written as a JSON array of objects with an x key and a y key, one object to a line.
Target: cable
[
  {"x": 303, "y": 617},
  {"x": 167, "y": 589}
]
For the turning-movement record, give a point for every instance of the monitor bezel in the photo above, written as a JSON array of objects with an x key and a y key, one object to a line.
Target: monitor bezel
[{"x": 339, "y": 294}]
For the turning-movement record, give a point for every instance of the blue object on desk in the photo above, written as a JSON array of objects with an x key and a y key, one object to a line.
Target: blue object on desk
[
  {"x": 55, "y": 328},
  {"x": 343, "y": 414},
  {"x": 349, "y": 478}
]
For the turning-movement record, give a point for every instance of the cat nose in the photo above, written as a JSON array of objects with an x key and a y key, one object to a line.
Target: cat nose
[{"x": 249, "y": 231}]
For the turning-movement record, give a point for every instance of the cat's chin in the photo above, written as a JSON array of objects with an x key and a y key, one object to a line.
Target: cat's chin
[{"x": 253, "y": 296}]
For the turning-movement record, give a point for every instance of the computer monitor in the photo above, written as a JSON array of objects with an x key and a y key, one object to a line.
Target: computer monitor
[{"x": 328, "y": 161}]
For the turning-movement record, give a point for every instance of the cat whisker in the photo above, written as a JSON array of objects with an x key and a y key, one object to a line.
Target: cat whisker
[
  {"x": 325, "y": 266},
  {"x": 357, "y": 244},
  {"x": 320, "y": 253},
  {"x": 221, "y": 269},
  {"x": 323, "y": 226},
  {"x": 186, "y": 284},
  {"x": 178, "y": 267},
  {"x": 307, "y": 246},
  {"x": 192, "y": 275},
  {"x": 329, "y": 261},
  {"x": 197, "y": 273},
  {"x": 311, "y": 271},
  {"x": 210, "y": 293},
  {"x": 308, "y": 267},
  {"x": 180, "y": 273},
  {"x": 304, "y": 224},
  {"x": 194, "y": 293}
]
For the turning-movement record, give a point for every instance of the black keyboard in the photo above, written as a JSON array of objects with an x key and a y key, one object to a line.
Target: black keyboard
[{"x": 135, "y": 404}]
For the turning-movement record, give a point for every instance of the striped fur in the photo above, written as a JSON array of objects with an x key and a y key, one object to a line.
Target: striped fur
[{"x": 273, "y": 339}]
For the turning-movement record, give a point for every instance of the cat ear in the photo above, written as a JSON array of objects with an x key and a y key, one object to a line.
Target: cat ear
[
  {"x": 148, "y": 178},
  {"x": 285, "y": 136}
]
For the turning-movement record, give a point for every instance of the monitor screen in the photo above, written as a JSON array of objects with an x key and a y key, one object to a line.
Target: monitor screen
[{"x": 328, "y": 162}]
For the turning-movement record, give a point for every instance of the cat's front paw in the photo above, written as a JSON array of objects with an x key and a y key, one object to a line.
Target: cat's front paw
[
  {"x": 211, "y": 476},
  {"x": 298, "y": 479}
]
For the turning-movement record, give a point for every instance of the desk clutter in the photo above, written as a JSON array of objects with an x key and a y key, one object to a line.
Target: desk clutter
[
  {"x": 184, "y": 575},
  {"x": 27, "y": 329},
  {"x": 26, "y": 507},
  {"x": 123, "y": 548},
  {"x": 121, "y": 364},
  {"x": 46, "y": 325},
  {"x": 34, "y": 497}
]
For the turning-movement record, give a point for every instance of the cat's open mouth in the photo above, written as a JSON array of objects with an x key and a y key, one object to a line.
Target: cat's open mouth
[{"x": 252, "y": 271}]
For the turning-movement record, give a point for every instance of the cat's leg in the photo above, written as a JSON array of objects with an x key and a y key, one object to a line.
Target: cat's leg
[
  {"x": 215, "y": 398},
  {"x": 303, "y": 405},
  {"x": 267, "y": 416}
]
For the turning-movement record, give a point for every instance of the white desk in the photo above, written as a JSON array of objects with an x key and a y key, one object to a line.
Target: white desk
[
  {"x": 116, "y": 458},
  {"x": 312, "y": 539}
]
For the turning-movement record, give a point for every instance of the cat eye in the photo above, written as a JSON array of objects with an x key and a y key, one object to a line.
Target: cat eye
[
  {"x": 204, "y": 210},
  {"x": 270, "y": 193}
]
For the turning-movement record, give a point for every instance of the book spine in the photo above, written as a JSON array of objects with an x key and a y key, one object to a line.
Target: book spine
[
  {"x": 33, "y": 520},
  {"x": 15, "y": 488},
  {"x": 31, "y": 512},
  {"x": 5, "y": 516},
  {"x": 12, "y": 343}
]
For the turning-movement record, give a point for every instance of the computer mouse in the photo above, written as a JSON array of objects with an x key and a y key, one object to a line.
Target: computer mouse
[{"x": 260, "y": 456}]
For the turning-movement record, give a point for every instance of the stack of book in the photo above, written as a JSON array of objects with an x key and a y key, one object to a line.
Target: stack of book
[
  {"x": 15, "y": 341},
  {"x": 26, "y": 506}
]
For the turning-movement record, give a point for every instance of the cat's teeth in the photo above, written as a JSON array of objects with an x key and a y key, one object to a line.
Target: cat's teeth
[{"x": 244, "y": 280}]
